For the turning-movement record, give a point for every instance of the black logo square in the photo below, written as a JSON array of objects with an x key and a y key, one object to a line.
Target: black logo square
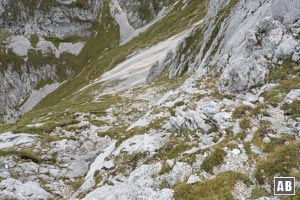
[{"x": 284, "y": 185}]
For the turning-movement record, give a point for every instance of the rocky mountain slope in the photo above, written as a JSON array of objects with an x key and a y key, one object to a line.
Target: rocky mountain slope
[
  {"x": 149, "y": 99},
  {"x": 44, "y": 43}
]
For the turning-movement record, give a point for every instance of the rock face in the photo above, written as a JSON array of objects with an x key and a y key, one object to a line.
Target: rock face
[
  {"x": 286, "y": 11},
  {"x": 55, "y": 18},
  {"x": 15, "y": 87},
  {"x": 68, "y": 18},
  {"x": 240, "y": 40},
  {"x": 140, "y": 13},
  {"x": 260, "y": 37},
  {"x": 23, "y": 68}
]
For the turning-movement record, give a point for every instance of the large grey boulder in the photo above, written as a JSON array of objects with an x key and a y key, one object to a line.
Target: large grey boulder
[
  {"x": 286, "y": 48},
  {"x": 14, "y": 189},
  {"x": 267, "y": 38},
  {"x": 242, "y": 73}
]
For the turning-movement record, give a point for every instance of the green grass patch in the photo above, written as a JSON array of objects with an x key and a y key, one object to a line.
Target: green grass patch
[
  {"x": 245, "y": 123},
  {"x": 287, "y": 80},
  {"x": 259, "y": 109},
  {"x": 165, "y": 169},
  {"x": 174, "y": 148},
  {"x": 283, "y": 161},
  {"x": 77, "y": 184},
  {"x": 284, "y": 72},
  {"x": 126, "y": 163},
  {"x": 293, "y": 109},
  {"x": 273, "y": 97},
  {"x": 219, "y": 188},
  {"x": 213, "y": 160},
  {"x": 178, "y": 104},
  {"x": 258, "y": 192},
  {"x": 97, "y": 177},
  {"x": 241, "y": 111},
  {"x": 26, "y": 154}
]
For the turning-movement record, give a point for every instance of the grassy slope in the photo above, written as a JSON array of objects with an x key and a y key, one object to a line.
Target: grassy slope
[
  {"x": 175, "y": 22},
  {"x": 62, "y": 99}
]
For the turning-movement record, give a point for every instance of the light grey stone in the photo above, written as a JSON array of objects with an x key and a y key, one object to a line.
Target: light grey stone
[
  {"x": 193, "y": 179},
  {"x": 296, "y": 57},
  {"x": 190, "y": 119},
  {"x": 208, "y": 107},
  {"x": 236, "y": 151},
  {"x": 180, "y": 172},
  {"x": 223, "y": 120},
  {"x": 266, "y": 140},
  {"x": 9, "y": 140},
  {"x": 286, "y": 47},
  {"x": 256, "y": 150},
  {"x": 12, "y": 188},
  {"x": 242, "y": 74},
  {"x": 293, "y": 95}
]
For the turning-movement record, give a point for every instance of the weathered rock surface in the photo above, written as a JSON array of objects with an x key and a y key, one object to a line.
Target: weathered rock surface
[
  {"x": 9, "y": 140},
  {"x": 139, "y": 184},
  {"x": 242, "y": 46},
  {"x": 293, "y": 95},
  {"x": 14, "y": 189}
]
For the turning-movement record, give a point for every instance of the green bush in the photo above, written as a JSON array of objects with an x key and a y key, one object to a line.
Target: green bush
[{"x": 293, "y": 109}]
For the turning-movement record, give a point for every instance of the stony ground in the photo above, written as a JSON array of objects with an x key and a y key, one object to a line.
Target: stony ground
[{"x": 149, "y": 142}]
